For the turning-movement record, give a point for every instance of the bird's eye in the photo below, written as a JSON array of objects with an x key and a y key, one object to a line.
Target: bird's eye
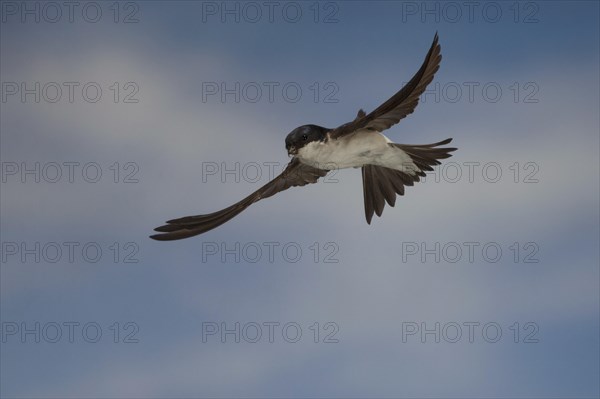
[{"x": 304, "y": 137}]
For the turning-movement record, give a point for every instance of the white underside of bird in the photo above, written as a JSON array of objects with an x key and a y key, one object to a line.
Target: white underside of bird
[{"x": 363, "y": 147}]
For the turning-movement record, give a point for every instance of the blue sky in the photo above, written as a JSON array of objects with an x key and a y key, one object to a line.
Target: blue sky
[{"x": 532, "y": 116}]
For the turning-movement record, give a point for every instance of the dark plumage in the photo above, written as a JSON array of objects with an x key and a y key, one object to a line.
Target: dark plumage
[{"x": 312, "y": 147}]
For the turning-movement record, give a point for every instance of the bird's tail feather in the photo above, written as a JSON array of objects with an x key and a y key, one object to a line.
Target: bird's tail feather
[{"x": 381, "y": 184}]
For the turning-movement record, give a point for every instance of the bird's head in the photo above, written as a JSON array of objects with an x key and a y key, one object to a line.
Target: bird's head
[{"x": 303, "y": 135}]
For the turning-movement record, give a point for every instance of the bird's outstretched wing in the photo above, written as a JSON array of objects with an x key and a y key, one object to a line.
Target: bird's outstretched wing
[
  {"x": 400, "y": 104},
  {"x": 295, "y": 174}
]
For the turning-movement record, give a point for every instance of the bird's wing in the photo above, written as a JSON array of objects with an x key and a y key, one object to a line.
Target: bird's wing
[
  {"x": 295, "y": 174},
  {"x": 400, "y": 104}
]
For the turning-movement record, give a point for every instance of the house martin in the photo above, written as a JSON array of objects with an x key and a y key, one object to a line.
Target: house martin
[{"x": 315, "y": 150}]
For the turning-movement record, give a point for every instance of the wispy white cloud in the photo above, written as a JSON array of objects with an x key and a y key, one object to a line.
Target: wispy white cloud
[{"x": 369, "y": 293}]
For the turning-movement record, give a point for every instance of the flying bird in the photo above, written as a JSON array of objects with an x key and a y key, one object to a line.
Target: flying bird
[{"x": 315, "y": 150}]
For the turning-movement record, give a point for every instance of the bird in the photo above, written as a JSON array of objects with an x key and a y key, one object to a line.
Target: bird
[{"x": 387, "y": 167}]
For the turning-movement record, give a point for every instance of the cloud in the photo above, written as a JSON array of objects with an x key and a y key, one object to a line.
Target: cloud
[{"x": 171, "y": 133}]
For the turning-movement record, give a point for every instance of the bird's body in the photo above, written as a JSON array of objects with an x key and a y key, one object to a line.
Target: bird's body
[
  {"x": 354, "y": 151},
  {"x": 386, "y": 167}
]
